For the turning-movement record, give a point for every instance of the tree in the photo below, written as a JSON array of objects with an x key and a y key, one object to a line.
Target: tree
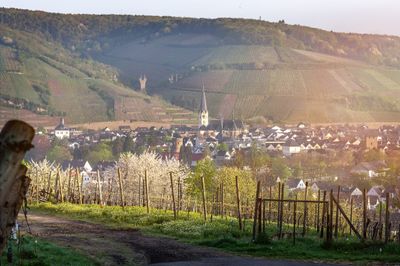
[
  {"x": 280, "y": 169},
  {"x": 129, "y": 145},
  {"x": 59, "y": 152},
  {"x": 207, "y": 169},
  {"x": 100, "y": 152},
  {"x": 117, "y": 147}
]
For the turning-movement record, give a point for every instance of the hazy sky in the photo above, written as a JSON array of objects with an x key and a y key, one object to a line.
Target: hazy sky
[{"x": 364, "y": 16}]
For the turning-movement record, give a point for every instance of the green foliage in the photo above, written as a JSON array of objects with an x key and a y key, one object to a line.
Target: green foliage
[
  {"x": 59, "y": 152},
  {"x": 280, "y": 169},
  {"x": 206, "y": 169},
  {"x": 99, "y": 152},
  {"x": 33, "y": 251}
]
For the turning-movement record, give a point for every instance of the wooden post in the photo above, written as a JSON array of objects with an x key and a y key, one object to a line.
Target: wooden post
[
  {"x": 37, "y": 185},
  {"x": 330, "y": 227},
  {"x": 121, "y": 192},
  {"x": 15, "y": 140},
  {"x": 48, "y": 186},
  {"x": 294, "y": 221},
  {"x": 79, "y": 184},
  {"x": 364, "y": 214},
  {"x": 269, "y": 204},
  {"x": 387, "y": 218},
  {"x": 61, "y": 186},
  {"x": 318, "y": 207},
  {"x": 279, "y": 205},
  {"x": 139, "y": 192},
  {"x": 238, "y": 204},
  {"x": 147, "y": 191},
  {"x": 255, "y": 209},
  {"x": 203, "y": 190},
  {"x": 281, "y": 208},
  {"x": 222, "y": 200},
  {"x": 337, "y": 213},
  {"x": 69, "y": 185},
  {"x": 305, "y": 211},
  {"x": 100, "y": 188},
  {"x": 324, "y": 211},
  {"x": 351, "y": 213},
  {"x": 56, "y": 186},
  {"x": 173, "y": 194}
]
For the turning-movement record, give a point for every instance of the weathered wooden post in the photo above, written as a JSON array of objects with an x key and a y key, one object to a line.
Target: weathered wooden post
[
  {"x": 387, "y": 218},
  {"x": 147, "y": 191},
  {"x": 294, "y": 220},
  {"x": 351, "y": 213},
  {"x": 318, "y": 207},
  {"x": 15, "y": 140},
  {"x": 173, "y": 194},
  {"x": 203, "y": 190},
  {"x": 364, "y": 214},
  {"x": 305, "y": 211},
  {"x": 337, "y": 213},
  {"x": 270, "y": 205},
  {"x": 100, "y": 188},
  {"x": 238, "y": 204},
  {"x": 324, "y": 211},
  {"x": 281, "y": 208},
  {"x": 279, "y": 205},
  {"x": 256, "y": 210},
  {"x": 121, "y": 191},
  {"x": 69, "y": 185},
  {"x": 48, "y": 186},
  {"x": 222, "y": 200}
]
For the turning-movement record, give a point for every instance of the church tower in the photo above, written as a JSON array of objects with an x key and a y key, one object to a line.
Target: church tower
[{"x": 203, "y": 112}]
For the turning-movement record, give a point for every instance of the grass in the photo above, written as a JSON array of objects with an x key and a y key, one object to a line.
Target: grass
[
  {"x": 32, "y": 251},
  {"x": 223, "y": 233}
]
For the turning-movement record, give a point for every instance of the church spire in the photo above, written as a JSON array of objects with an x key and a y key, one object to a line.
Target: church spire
[
  {"x": 203, "y": 104},
  {"x": 203, "y": 112}
]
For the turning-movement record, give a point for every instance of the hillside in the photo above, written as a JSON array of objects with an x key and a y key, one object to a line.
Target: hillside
[
  {"x": 251, "y": 69},
  {"x": 41, "y": 80}
]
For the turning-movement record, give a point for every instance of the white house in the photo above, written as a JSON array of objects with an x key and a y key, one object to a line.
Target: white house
[
  {"x": 291, "y": 147},
  {"x": 61, "y": 131}
]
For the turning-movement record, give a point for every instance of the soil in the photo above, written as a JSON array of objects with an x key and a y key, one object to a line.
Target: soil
[{"x": 130, "y": 247}]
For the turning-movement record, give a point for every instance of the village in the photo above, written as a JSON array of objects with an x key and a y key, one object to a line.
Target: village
[{"x": 360, "y": 152}]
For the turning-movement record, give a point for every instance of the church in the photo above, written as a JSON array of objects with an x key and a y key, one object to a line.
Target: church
[{"x": 219, "y": 129}]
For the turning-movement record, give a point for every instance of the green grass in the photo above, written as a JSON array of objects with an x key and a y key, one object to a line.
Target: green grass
[
  {"x": 33, "y": 251},
  {"x": 223, "y": 233}
]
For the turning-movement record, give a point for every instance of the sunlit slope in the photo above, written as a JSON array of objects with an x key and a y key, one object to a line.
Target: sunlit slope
[{"x": 247, "y": 81}]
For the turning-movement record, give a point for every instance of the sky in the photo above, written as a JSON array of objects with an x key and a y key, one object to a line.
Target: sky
[{"x": 362, "y": 16}]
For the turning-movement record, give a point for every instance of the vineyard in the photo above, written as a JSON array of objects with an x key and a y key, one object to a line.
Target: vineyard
[{"x": 329, "y": 215}]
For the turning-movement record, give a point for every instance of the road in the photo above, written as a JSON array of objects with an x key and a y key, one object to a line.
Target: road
[{"x": 131, "y": 247}]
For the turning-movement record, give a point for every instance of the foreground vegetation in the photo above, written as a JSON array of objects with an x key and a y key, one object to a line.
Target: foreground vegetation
[
  {"x": 33, "y": 251},
  {"x": 223, "y": 233}
]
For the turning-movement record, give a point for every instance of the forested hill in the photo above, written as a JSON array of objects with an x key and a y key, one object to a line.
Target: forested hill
[
  {"x": 252, "y": 69},
  {"x": 95, "y": 33}
]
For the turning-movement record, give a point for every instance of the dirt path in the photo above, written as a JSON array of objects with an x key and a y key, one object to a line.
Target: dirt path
[{"x": 131, "y": 247}]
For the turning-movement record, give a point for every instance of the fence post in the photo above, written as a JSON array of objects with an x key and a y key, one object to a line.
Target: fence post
[
  {"x": 337, "y": 213},
  {"x": 387, "y": 217},
  {"x": 238, "y": 203},
  {"x": 173, "y": 194},
  {"x": 255, "y": 210},
  {"x": 48, "y": 186},
  {"x": 121, "y": 192},
  {"x": 318, "y": 207},
  {"x": 324, "y": 211},
  {"x": 330, "y": 227},
  {"x": 61, "y": 186},
  {"x": 364, "y": 214},
  {"x": 279, "y": 205},
  {"x": 222, "y": 200},
  {"x": 351, "y": 213},
  {"x": 147, "y": 191},
  {"x": 37, "y": 185},
  {"x": 294, "y": 221},
  {"x": 269, "y": 205},
  {"x": 281, "y": 209},
  {"x": 203, "y": 190},
  {"x": 305, "y": 211},
  {"x": 100, "y": 188}
]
